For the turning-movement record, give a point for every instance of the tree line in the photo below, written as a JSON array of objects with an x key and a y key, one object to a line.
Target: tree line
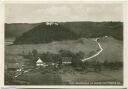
[{"x": 74, "y": 57}]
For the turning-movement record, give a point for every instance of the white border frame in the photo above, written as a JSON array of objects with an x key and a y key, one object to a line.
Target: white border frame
[{"x": 125, "y": 6}]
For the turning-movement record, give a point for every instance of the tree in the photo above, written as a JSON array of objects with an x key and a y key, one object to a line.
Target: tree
[
  {"x": 34, "y": 52},
  {"x": 66, "y": 53},
  {"x": 80, "y": 54},
  {"x": 34, "y": 56}
]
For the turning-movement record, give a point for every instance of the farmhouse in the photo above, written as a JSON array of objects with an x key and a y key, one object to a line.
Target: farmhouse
[
  {"x": 106, "y": 36},
  {"x": 66, "y": 60},
  {"x": 39, "y": 63}
]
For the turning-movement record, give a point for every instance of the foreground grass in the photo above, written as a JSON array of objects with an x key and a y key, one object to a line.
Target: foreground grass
[
  {"x": 67, "y": 75},
  {"x": 87, "y": 78},
  {"x": 41, "y": 77}
]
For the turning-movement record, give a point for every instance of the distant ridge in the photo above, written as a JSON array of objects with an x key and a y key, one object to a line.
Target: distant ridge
[
  {"x": 80, "y": 29},
  {"x": 13, "y": 30}
]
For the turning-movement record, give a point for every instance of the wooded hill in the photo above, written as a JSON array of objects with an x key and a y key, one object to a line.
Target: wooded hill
[{"x": 43, "y": 33}]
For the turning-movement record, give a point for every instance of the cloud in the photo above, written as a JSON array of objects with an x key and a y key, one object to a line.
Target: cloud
[{"x": 65, "y": 12}]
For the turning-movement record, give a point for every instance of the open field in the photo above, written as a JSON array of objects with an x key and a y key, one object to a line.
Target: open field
[
  {"x": 69, "y": 76},
  {"x": 38, "y": 78},
  {"x": 88, "y": 78},
  {"x": 113, "y": 49},
  {"x": 84, "y": 45}
]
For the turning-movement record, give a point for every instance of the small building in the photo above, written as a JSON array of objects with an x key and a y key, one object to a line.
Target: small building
[
  {"x": 106, "y": 36},
  {"x": 51, "y": 23},
  {"x": 39, "y": 62},
  {"x": 66, "y": 60}
]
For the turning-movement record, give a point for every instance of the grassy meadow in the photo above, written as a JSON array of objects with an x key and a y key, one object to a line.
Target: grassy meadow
[{"x": 113, "y": 49}]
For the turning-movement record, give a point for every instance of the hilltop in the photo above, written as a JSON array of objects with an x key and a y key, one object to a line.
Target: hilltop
[{"x": 46, "y": 33}]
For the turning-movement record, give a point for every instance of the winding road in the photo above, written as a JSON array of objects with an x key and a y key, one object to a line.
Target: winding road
[{"x": 101, "y": 49}]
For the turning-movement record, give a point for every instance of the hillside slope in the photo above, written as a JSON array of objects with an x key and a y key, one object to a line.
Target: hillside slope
[
  {"x": 17, "y": 29},
  {"x": 96, "y": 29},
  {"x": 113, "y": 49},
  {"x": 46, "y": 33}
]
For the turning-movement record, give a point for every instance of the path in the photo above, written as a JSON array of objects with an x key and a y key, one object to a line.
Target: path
[
  {"x": 23, "y": 72},
  {"x": 101, "y": 49}
]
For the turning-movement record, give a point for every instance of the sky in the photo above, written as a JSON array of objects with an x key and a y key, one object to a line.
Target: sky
[{"x": 34, "y": 13}]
